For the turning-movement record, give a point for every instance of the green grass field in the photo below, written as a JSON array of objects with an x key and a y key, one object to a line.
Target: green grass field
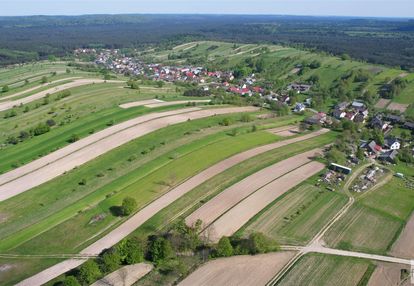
[
  {"x": 384, "y": 211},
  {"x": 326, "y": 270},
  {"x": 298, "y": 216}
]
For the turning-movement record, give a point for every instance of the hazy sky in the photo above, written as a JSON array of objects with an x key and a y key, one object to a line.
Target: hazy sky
[{"x": 374, "y": 8}]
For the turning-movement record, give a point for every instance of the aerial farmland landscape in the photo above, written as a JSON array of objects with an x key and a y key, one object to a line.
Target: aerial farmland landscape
[{"x": 206, "y": 144}]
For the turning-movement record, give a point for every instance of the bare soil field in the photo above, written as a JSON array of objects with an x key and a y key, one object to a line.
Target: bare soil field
[
  {"x": 382, "y": 103},
  {"x": 150, "y": 210},
  {"x": 239, "y": 270},
  {"x": 139, "y": 103},
  {"x": 10, "y": 104},
  {"x": 239, "y": 215},
  {"x": 126, "y": 276},
  {"x": 388, "y": 274},
  {"x": 285, "y": 131},
  {"x": 404, "y": 245},
  {"x": 63, "y": 164},
  {"x": 227, "y": 199},
  {"x": 398, "y": 107}
]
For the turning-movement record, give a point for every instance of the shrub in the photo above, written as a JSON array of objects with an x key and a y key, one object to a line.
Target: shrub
[
  {"x": 73, "y": 138},
  {"x": 160, "y": 250},
  {"x": 50, "y": 122},
  {"x": 89, "y": 272},
  {"x": 82, "y": 182},
  {"x": 41, "y": 129},
  {"x": 246, "y": 118},
  {"x": 5, "y": 88},
  {"x": 224, "y": 247},
  {"x": 132, "y": 250},
  {"x": 71, "y": 281},
  {"x": 128, "y": 206},
  {"x": 110, "y": 261}
]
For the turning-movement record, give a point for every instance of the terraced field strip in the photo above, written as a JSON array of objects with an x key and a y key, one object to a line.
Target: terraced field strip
[
  {"x": 239, "y": 270},
  {"x": 151, "y": 209},
  {"x": 38, "y": 87},
  {"x": 126, "y": 275},
  {"x": 404, "y": 245},
  {"x": 92, "y": 151},
  {"x": 240, "y": 214},
  {"x": 153, "y": 103},
  {"x": 227, "y": 199},
  {"x": 10, "y": 104}
]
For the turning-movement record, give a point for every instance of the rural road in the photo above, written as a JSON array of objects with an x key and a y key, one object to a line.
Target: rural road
[
  {"x": 56, "y": 164},
  {"x": 5, "y": 105},
  {"x": 153, "y": 208}
]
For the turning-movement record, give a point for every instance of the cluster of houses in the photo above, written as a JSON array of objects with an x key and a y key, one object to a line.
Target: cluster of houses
[
  {"x": 356, "y": 111},
  {"x": 387, "y": 152},
  {"x": 385, "y": 122}
]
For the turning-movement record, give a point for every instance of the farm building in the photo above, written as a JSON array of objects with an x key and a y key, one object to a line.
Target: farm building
[{"x": 340, "y": 168}]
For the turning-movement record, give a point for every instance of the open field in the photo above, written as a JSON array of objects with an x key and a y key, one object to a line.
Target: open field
[
  {"x": 139, "y": 218},
  {"x": 404, "y": 245},
  {"x": 297, "y": 217},
  {"x": 126, "y": 276},
  {"x": 239, "y": 270},
  {"x": 10, "y": 104},
  {"x": 159, "y": 169},
  {"x": 239, "y": 215},
  {"x": 325, "y": 270},
  {"x": 227, "y": 199},
  {"x": 358, "y": 229},
  {"x": 20, "y": 180},
  {"x": 386, "y": 274}
]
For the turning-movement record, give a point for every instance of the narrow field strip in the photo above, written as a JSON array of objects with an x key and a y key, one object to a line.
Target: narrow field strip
[
  {"x": 111, "y": 142},
  {"x": 154, "y": 103},
  {"x": 239, "y": 215},
  {"x": 239, "y": 270},
  {"x": 10, "y": 104},
  {"x": 227, "y": 199},
  {"x": 139, "y": 103},
  {"x": 150, "y": 210},
  {"x": 38, "y": 87}
]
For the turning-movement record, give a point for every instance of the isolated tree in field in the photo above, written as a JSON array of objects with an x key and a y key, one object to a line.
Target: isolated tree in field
[
  {"x": 44, "y": 79},
  {"x": 71, "y": 281},
  {"x": 5, "y": 88},
  {"x": 89, "y": 272},
  {"x": 128, "y": 206},
  {"x": 224, "y": 247}
]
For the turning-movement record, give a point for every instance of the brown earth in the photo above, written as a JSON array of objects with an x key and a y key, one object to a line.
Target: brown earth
[
  {"x": 387, "y": 274},
  {"x": 404, "y": 245},
  {"x": 240, "y": 214},
  {"x": 239, "y": 270},
  {"x": 126, "y": 276},
  {"x": 227, "y": 199},
  {"x": 398, "y": 106},
  {"x": 382, "y": 103}
]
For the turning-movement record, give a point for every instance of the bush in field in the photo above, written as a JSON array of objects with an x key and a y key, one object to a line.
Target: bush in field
[
  {"x": 110, "y": 261},
  {"x": 40, "y": 129},
  {"x": 132, "y": 250},
  {"x": 226, "y": 122},
  {"x": 5, "y": 88},
  {"x": 50, "y": 122},
  {"x": 246, "y": 118},
  {"x": 224, "y": 247},
  {"x": 259, "y": 243},
  {"x": 44, "y": 79},
  {"x": 128, "y": 206},
  {"x": 71, "y": 281},
  {"x": 73, "y": 138},
  {"x": 89, "y": 272}
]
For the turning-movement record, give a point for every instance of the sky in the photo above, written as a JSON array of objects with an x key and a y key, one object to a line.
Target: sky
[{"x": 370, "y": 8}]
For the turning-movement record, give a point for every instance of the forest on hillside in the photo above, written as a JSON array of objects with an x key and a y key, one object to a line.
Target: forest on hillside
[{"x": 382, "y": 41}]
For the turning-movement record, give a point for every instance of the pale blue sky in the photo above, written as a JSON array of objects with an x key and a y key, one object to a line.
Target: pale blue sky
[{"x": 373, "y": 8}]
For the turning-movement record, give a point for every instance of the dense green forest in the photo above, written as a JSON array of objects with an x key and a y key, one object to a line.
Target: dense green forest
[{"x": 384, "y": 41}]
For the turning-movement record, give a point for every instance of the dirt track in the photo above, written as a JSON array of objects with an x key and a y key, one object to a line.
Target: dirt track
[
  {"x": 10, "y": 104},
  {"x": 150, "y": 210},
  {"x": 153, "y": 103},
  {"x": 404, "y": 245},
  {"x": 239, "y": 215},
  {"x": 227, "y": 199},
  {"x": 238, "y": 270},
  {"x": 51, "y": 170}
]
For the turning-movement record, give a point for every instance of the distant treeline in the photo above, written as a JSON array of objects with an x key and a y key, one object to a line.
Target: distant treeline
[{"x": 385, "y": 41}]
